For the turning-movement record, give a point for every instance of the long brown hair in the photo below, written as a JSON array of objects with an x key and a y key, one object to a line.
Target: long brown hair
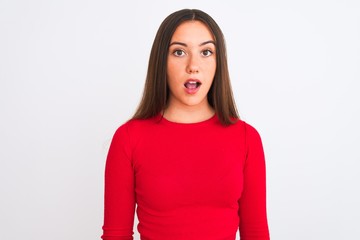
[{"x": 156, "y": 91}]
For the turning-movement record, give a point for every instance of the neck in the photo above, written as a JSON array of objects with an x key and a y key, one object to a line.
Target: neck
[{"x": 188, "y": 114}]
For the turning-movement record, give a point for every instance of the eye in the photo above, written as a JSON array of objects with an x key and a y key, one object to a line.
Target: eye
[
  {"x": 207, "y": 53},
  {"x": 179, "y": 52}
]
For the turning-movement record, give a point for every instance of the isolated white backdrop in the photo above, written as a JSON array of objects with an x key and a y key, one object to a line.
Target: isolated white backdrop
[{"x": 72, "y": 71}]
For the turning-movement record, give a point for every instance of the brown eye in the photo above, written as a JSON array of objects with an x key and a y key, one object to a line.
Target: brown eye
[
  {"x": 179, "y": 53},
  {"x": 206, "y": 53}
]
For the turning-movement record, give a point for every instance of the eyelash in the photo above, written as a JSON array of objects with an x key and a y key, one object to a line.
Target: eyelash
[
  {"x": 207, "y": 50},
  {"x": 175, "y": 52}
]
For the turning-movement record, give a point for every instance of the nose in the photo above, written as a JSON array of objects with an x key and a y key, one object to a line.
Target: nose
[{"x": 192, "y": 65}]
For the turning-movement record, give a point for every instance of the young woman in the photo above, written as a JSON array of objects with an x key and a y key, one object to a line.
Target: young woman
[{"x": 190, "y": 165}]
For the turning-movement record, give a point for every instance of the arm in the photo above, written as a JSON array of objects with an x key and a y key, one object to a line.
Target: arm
[
  {"x": 119, "y": 189},
  {"x": 252, "y": 205}
]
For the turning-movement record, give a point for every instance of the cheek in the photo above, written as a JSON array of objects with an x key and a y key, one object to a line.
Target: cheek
[
  {"x": 210, "y": 64},
  {"x": 211, "y": 69},
  {"x": 171, "y": 68},
  {"x": 173, "y": 71},
  {"x": 172, "y": 75},
  {"x": 214, "y": 66}
]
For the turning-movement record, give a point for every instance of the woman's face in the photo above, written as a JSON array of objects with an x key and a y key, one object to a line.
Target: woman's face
[{"x": 191, "y": 65}]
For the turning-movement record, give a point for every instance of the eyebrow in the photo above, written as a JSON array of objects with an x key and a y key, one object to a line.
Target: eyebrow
[{"x": 185, "y": 45}]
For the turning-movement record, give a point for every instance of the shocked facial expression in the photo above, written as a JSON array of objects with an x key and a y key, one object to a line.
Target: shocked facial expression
[{"x": 191, "y": 65}]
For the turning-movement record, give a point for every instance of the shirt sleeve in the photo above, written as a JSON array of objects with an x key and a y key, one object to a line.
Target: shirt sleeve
[
  {"x": 252, "y": 204},
  {"x": 119, "y": 199}
]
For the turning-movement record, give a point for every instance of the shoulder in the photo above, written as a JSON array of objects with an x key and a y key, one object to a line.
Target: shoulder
[
  {"x": 244, "y": 126},
  {"x": 253, "y": 140},
  {"x": 133, "y": 128},
  {"x": 250, "y": 133}
]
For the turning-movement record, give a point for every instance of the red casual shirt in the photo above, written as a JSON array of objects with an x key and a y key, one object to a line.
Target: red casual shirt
[{"x": 189, "y": 181}]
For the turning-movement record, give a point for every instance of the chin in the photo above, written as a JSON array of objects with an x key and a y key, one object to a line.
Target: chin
[{"x": 194, "y": 102}]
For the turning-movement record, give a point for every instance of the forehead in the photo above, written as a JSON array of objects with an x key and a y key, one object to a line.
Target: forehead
[{"x": 192, "y": 31}]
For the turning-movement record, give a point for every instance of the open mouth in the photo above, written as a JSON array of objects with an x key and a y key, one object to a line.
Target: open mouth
[{"x": 192, "y": 84}]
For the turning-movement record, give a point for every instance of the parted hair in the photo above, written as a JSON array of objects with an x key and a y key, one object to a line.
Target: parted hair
[{"x": 156, "y": 91}]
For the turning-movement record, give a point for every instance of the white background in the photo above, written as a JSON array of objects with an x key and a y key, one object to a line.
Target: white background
[{"x": 72, "y": 71}]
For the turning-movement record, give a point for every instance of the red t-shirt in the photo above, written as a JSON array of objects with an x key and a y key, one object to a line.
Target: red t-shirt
[{"x": 189, "y": 181}]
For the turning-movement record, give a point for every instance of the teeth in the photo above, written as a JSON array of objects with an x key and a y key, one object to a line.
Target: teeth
[{"x": 192, "y": 84}]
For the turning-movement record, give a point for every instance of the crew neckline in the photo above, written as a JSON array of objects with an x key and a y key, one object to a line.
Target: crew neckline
[{"x": 166, "y": 121}]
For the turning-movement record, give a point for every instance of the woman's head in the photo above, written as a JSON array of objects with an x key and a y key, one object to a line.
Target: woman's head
[
  {"x": 191, "y": 66},
  {"x": 157, "y": 93}
]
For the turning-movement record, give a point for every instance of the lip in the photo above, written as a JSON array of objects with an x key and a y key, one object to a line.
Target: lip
[{"x": 192, "y": 90}]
